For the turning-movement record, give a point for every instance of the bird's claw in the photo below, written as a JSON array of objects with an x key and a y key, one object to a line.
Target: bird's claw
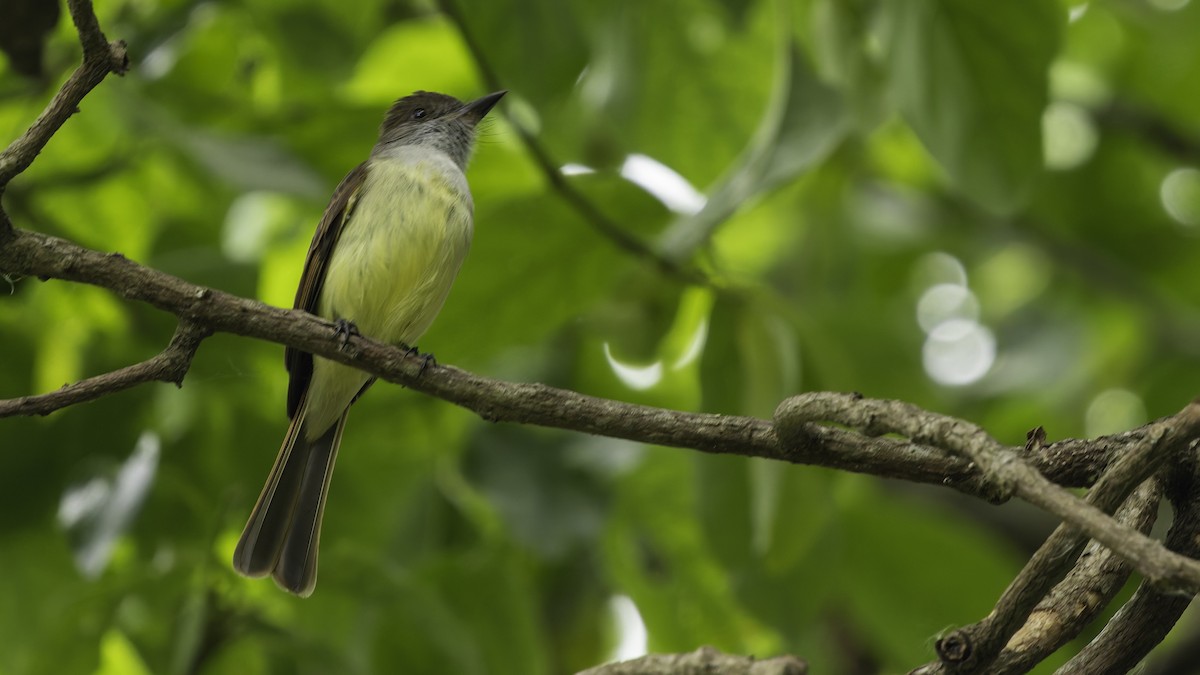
[
  {"x": 343, "y": 330},
  {"x": 426, "y": 359}
]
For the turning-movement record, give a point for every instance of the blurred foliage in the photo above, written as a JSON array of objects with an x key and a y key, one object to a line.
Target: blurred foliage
[{"x": 988, "y": 209}]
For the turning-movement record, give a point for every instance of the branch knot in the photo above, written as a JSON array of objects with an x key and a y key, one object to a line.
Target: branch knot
[
  {"x": 118, "y": 57},
  {"x": 955, "y": 648}
]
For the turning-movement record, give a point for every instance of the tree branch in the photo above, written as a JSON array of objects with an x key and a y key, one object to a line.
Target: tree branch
[
  {"x": 939, "y": 449},
  {"x": 972, "y": 648},
  {"x": 1087, "y": 590},
  {"x": 1150, "y": 614},
  {"x": 1004, "y": 470},
  {"x": 703, "y": 661},
  {"x": 37, "y": 255},
  {"x": 31, "y": 254},
  {"x": 1126, "y": 116},
  {"x": 99, "y": 59},
  {"x": 169, "y": 365}
]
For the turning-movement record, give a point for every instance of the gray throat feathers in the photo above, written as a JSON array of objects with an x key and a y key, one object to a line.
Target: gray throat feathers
[
  {"x": 454, "y": 140},
  {"x": 431, "y": 158}
]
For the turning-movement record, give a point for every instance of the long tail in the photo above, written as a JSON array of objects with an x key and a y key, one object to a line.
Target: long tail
[{"x": 282, "y": 534}]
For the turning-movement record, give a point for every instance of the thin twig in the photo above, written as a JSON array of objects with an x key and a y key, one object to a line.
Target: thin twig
[
  {"x": 1156, "y": 130},
  {"x": 169, "y": 365},
  {"x": 99, "y": 59},
  {"x": 550, "y": 169}
]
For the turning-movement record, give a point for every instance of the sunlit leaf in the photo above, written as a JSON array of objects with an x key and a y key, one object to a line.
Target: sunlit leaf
[{"x": 805, "y": 121}]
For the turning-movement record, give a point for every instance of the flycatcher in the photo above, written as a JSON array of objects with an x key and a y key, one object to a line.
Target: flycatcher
[{"x": 383, "y": 258}]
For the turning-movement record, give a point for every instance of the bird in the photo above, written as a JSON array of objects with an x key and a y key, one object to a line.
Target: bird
[{"x": 381, "y": 263}]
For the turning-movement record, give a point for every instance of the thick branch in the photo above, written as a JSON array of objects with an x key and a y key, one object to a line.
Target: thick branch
[
  {"x": 1087, "y": 590},
  {"x": 99, "y": 59},
  {"x": 36, "y": 255},
  {"x": 1150, "y": 614},
  {"x": 31, "y": 254},
  {"x": 169, "y": 365},
  {"x": 1007, "y": 474},
  {"x": 972, "y": 648}
]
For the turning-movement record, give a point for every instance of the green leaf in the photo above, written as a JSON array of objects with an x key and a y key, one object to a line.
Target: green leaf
[
  {"x": 839, "y": 34},
  {"x": 119, "y": 657},
  {"x": 522, "y": 39},
  {"x": 749, "y": 365},
  {"x": 972, "y": 80},
  {"x": 656, "y": 554},
  {"x": 250, "y": 163},
  {"x": 900, "y": 556},
  {"x": 52, "y": 620},
  {"x": 530, "y": 243},
  {"x": 804, "y": 122},
  {"x": 493, "y": 595},
  {"x": 764, "y": 521},
  {"x": 406, "y": 48}
]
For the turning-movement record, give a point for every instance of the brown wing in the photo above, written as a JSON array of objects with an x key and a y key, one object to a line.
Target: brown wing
[{"x": 299, "y": 363}]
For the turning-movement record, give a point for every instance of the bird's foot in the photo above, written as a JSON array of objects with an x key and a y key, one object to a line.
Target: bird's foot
[
  {"x": 426, "y": 359},
  {"x": 343, "y": 330}
]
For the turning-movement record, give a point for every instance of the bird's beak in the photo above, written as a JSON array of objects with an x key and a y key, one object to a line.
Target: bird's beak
[{"x": 475, "y": 110}]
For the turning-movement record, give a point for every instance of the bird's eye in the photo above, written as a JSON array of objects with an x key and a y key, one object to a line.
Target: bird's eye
[{"x": 418, "y": 113}]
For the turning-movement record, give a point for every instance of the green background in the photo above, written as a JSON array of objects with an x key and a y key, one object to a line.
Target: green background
[{"x": 1034, "y": 157}]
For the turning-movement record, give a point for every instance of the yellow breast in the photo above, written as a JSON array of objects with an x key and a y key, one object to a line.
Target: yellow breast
[{"x": 400, "y": 250}]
